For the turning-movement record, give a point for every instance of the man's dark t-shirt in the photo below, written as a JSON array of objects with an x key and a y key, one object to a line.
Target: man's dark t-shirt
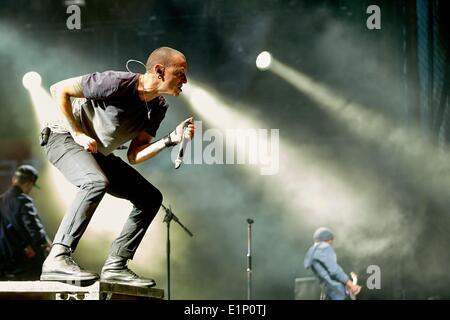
[{"x": 111, "y": 112}]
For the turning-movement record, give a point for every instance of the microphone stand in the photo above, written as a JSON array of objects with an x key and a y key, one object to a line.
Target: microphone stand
[
  {"x": 167, "y": 218},
  {"x": 249, "y": 259}
]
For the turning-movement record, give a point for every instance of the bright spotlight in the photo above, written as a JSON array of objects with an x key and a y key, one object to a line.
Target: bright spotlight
[
  {"x": 283, "y": 169},
  {"x": 263, "y": 60},
  {"x": 31, "y": 80}
]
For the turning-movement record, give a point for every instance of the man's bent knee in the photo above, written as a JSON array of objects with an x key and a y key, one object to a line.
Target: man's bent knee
[
  {"x": 96, "y": 184},
  {"x": 150, "y": 202}
]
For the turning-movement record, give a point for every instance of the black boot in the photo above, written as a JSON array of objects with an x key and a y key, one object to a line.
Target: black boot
[
  {"x": 115, "y": 270},
  {"x": 59, "y": 266}
]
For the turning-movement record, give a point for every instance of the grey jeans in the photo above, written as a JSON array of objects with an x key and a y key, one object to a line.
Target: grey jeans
[{"x": 94, "y": 175}]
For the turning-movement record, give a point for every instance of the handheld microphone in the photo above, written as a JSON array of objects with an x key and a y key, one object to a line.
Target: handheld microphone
[{"x": 183, "y": 145}]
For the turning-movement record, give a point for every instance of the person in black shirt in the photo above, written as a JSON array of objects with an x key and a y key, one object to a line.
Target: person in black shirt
[{"x": 22, "y": 256}]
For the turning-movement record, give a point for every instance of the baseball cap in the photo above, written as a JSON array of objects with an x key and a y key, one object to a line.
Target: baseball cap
[{"x": 27, "y": 173}]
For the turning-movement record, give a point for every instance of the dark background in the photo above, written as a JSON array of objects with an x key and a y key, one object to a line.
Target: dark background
[{"x": 394, "y": 216}]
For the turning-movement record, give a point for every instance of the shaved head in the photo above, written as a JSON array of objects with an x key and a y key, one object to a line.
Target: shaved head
[{"x": 164, "y": 56}]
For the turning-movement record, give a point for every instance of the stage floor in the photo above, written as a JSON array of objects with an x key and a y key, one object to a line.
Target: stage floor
[{"x": 53, "y": 290}]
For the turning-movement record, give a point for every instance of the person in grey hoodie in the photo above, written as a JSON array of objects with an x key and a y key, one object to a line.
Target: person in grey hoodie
[{"x": 321, "y": 259}]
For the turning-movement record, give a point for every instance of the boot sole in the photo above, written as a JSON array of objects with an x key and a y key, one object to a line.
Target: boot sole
[
  {"x": 66, "y": 278},
  {"x": 129, "y": 283}
]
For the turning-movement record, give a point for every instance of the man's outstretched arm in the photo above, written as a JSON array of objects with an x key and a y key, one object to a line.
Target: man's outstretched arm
[{"x": 142, "y": 149}]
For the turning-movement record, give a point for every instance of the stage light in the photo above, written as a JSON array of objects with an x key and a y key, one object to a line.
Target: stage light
[
  {"x": 407, "y": 144},
  {"x": 264, "y": 60},
  {"x": 31, "y": 80},
  {"x": 211, "y": 107},
  {"x": 44, "y": 106}
]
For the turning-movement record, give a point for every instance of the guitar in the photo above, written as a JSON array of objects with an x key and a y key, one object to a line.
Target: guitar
[{"x": 355, "y": 282}]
